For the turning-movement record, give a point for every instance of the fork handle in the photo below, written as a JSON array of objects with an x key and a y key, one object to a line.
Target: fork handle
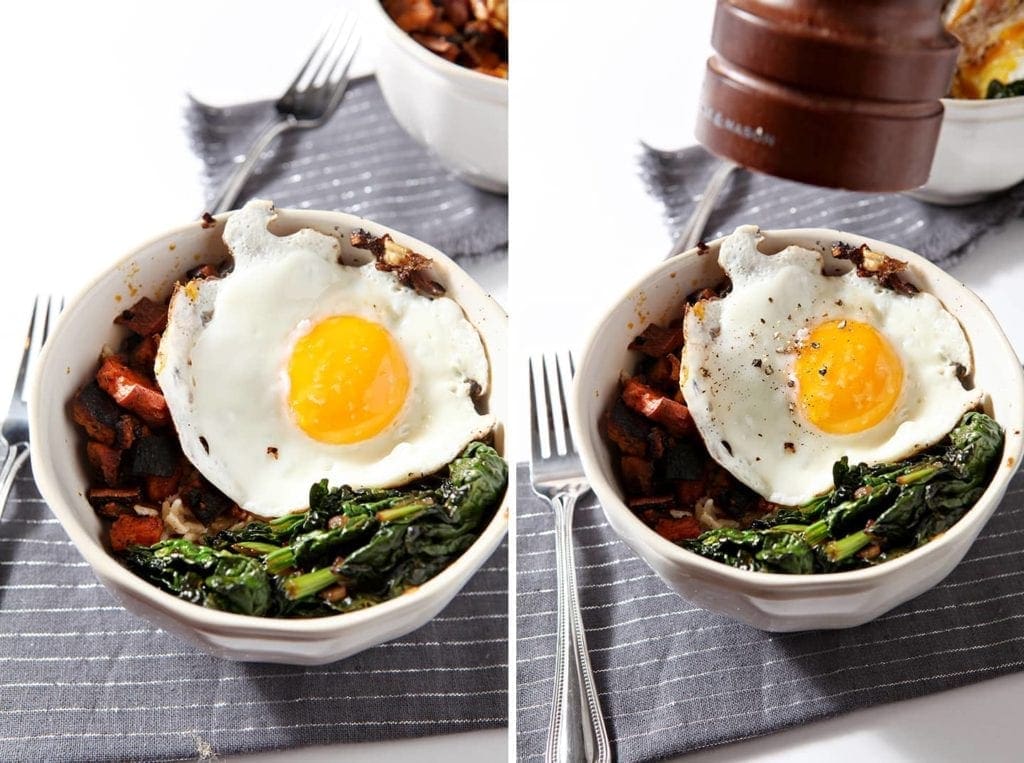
[
  {"x": 692, "y": 232},
  {"x": 227, "y": 195},
  {"x": 16, "y": 456},
  {"x": 577, "y": 731}
]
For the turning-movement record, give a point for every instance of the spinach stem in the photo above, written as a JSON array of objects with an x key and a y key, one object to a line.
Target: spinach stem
[
  {"x": 285, "y": 523},
  {"x": 280, "y": 559},
  {"x": 301, "y": 586},
  {"x": 254, "y": 548},
  {"x": 816, "y": 533},
  {"x": 787, "y": 528},
  {"x": 918, "y": 475},
  {"x": 844, "y": 548},
  {"x": 401, "y": 512}
]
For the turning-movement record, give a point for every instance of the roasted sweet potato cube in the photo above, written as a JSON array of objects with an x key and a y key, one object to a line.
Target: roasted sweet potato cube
[
  {"x": 442, "y": 28},
  {"x": 112, "y": 509},
  {"x": 437, "y": 44},
  {"x": 129, "y": 429},
  {"x": 675, "y": 530},
  {"x": 664, "y": 373},
  {"x": 626, "y": 429},
  {"x": 672, "y": 415},
  {"x": 145, "y": 317},
  {"x": 688, "y": 492},
  {"x": 638, "y": 474},
  {"x": 158, "y": 488},
  {"x": 133, "y": 391},
  {"x": 651, "y": 503},
  {"x": 131, "y": 530},
  {"x": 155, "y": 454},
  {"x": 126, "y": 496},
  {"x": 148, "y": 404},
  {"x": 657, "y": 341},
  {"x": 480, "y": 26},
  {"x": 457, "y": 11},
  {"x": 478, "y": 50},
  {"x": 106, "y": 460},
  {"x": 96, "y": 413},
  {"x": 657, "y": 442},
  {"x": 411, "y": 15},
  {"x": 143, "y": 354}
]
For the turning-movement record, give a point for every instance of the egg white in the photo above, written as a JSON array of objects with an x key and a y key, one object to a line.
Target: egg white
[
  {"x": 745, "y": 410},
  {"x": 223, "y": 359}
]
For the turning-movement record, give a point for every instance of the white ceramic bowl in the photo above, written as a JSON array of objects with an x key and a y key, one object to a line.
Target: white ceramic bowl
[
  {"x": 70, "y": 359},
  {"x": 769, "y": 601},
  {"x": 979, "y": 151},
  {"x": 460, "y": 114}
]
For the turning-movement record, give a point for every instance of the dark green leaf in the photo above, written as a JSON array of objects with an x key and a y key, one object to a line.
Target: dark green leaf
[
  {"x": 203, "y": 575},
  {"x": 997, "y": 89},
  {"x": 895, "y": 505},
  {"x": 786, "y": 552}
]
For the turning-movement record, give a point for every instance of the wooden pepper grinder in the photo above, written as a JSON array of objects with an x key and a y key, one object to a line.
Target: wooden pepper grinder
[{"x": 839, "y": 93}]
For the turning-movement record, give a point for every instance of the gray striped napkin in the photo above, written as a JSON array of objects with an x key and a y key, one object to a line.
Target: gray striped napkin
[
  {"x": 941, "y": 234},
  {"x": 360, "y": 162},
  {"x": 84, "y": 680},
  {"x": 674, "y": 678}
]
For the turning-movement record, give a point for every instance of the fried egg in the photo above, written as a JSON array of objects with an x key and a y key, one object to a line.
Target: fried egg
[
  {"x": 794, "y": 369},
  {"x": 294, "y": 367}
]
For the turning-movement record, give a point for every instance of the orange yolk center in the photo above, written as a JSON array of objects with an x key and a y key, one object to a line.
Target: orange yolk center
[
  {"x": 848, "y": 377},
  {"x": 348, "y": 380}
]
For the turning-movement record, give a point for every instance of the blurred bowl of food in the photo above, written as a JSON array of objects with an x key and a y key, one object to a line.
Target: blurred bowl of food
[
  {"x": 642, "y": 436},
  {"x": 443, "y": 71},
  {"x": 978, "y": 152},
  {"x": 100, "y": 440}
]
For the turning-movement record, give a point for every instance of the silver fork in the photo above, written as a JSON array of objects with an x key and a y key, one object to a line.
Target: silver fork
[
  {"x": 576, "y": 731},
  {"x": 693, "y": 230},
  {"x": 309, "y": 101},
  {"x": 14, "y": 432}
]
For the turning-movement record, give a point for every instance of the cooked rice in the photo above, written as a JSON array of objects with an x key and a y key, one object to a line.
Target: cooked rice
[
  {"x": 180, "y": 522},
  {"x": 709, "y": 517}
]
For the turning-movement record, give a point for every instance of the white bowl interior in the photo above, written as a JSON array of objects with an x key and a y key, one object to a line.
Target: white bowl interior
[
  {"x": 70, "y": 359},
  {"x": 659, "y": 298}
]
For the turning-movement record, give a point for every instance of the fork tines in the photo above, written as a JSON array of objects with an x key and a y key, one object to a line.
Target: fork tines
[
  {"x": 44, "y": 316},
  {"x": 551, "y": 376},
  {"x": 330, "y": 57}
]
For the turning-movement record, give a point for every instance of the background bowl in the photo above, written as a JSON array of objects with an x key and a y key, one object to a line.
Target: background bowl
[
  {"x": 460, "y": 114},
  {"x": 979, "y": 151},
  {"x": 70, "y": 359},
  {"x": 770, "y": 601}
]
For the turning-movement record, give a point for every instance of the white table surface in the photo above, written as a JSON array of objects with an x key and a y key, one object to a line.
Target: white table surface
[
  {"x": 605, "y": 81},
  {"x": 96, "y": 161}
]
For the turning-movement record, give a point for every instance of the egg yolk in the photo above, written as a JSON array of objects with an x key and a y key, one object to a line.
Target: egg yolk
[
  {"x": 348, "y": 380},
  {"x": 848, "y": 376}
]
